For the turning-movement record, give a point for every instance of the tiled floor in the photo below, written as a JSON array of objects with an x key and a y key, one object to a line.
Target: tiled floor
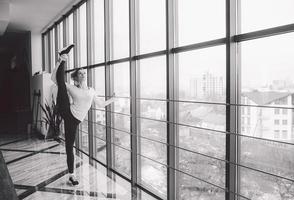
[{"x": 38, "y": 170}]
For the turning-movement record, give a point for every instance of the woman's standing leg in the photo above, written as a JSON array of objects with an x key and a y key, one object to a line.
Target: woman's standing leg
[{"x": 70, "y": 134}]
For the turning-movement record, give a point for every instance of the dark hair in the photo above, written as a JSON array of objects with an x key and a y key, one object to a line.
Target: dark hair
[{"x": 74, "y": 75}]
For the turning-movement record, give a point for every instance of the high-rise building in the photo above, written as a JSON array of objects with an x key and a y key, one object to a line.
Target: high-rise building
[{"x": 208, "y": 85}]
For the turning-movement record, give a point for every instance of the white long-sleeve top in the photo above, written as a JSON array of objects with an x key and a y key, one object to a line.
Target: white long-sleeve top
[{"x": 82, "y": 99}]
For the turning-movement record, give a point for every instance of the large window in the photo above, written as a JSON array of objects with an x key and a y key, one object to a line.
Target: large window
[
  {"x": 267, "y": 65},
  {"x": 253, "y": 20},
  {"x": 52, "y": 49},
  {"x": 152, "y": 158},
  {"x": 200, "y": 21},
  {"x": 202, "y": 78},
  {"x": 70, "y": 40},
  {"x": 82, "y": 30},
  {"x": 99, "y": 120},
  {"x": 121, "y": 118},
  {"x": 98, "y": 36},
  {"x": 151, "y": 26},
  {"x": 60, "y": 35},
  {"x": 120, "y": 29},
  {"x": 209, "y": 118}
]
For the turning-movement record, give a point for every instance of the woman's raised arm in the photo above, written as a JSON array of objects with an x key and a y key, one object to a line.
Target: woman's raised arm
[{"x": 101, "y": 103}]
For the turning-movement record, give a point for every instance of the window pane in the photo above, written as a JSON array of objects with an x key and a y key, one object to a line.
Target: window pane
[
  {"x": 83, "y": 131},
  {"x": 121, "y": 120},
  {"x": 152, "y": 74},
  {"x": 98, "y": 31},
  {"x": 83, "y": 34},
  {"x": 256, "y": 185},
  {"x": 52, "y": 48},
  {"x": 120, "y": 29},
  {"x": 198, "y": 189},
  {"x": 202, "y": 75},
  {"x": 210, "y": 116},
  {"x": 153, "y": 176},
  {"x": 202, "y": 78},
  {"x": 201, "y": 20},
  {"x": 99, "y": 113},
  {"x": 70, "y": 41},
  {"x": 262, "y": 14},
  {"x": 152, "y": 79},
  {"x": 267, "y": 68},
  {"x": 99, "y": 80},
  {"x": 60, "y": 36},
  {"x": 152, "y": 26},
  {"x": 100, "y": 150},
  {"x": 122, "y": 160},
  {"x": 46, "y": 52},
  {"x": 121, "y": 73}
]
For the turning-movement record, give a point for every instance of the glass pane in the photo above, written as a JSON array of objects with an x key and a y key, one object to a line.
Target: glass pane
[
  {"x": 120, "y": 40},
  {"x": 121, "y": 73},
  {"x": 210, "y": 116},
  {"x": 52, "y": 48},
  {"x": 122, "y": 139},
  {"x": 100, "y": 116},
  {"x": 82, "y": 28},
  {"x": 211, "y": 143},
  {"x": 60, "y": 36},
  {"x": 85, "y": 142},
  {"x": 98, "y": 6},
  {"x": 83, "y": 130},
  {"x": 256, "y": 185},
  {"x": 202, "y": 74},
  {"x": 46, "y": 52},
  {"x": 153, "y": 109},
  {"x": 152, "y": 26},
  {"x": 267, "y": 68},
  {"x": 267, "y": 64},
  {"x": 70, "y": 41},
  {"x": 274, "y": 13},
  {"x": 197, "y": 189},
  {"x": 122, "y": 160},
  {"x": 153, "y": 129},
  {"x": 121, "y": 122},
  {"x": 152, "y": 79},
  {"x": 153, "y": 176},
  {"x": 122, "y": 106},
  {"x": 99, "y": 80},
  {"x": 200, "y": 21},
  {"x": 202, "y": 167},
  {"x": 100, "y": 150},
  {"x": 100, "y": 136}
]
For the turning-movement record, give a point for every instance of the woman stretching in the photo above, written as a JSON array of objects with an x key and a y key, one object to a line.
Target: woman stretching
[{"x": 75, "y": 112}]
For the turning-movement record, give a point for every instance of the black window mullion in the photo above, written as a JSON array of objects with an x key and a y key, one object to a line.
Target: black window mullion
[{"x": 231, "y": 98}]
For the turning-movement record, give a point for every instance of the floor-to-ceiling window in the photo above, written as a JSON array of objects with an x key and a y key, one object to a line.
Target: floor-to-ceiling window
[
  {"x": 266, "y": 95},
  {"x": 204, "y": 94}
]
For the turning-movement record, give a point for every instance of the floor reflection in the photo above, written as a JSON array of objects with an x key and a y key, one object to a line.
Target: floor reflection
[{"x": 38, "y": 170}]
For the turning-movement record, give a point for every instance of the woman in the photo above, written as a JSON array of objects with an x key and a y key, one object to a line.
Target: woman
[{"x": 73, "y": 113}]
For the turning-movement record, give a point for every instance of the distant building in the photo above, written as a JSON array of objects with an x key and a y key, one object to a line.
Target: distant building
[
  {"x": 271, "y": 123},
  {"x": 208, "y": 85}
]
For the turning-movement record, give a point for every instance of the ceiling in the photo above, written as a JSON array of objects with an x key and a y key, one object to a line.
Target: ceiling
[{"x": 30, "y": 15}]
